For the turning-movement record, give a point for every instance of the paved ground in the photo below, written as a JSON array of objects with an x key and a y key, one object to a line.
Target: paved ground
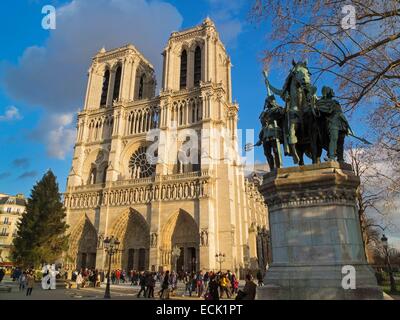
[{"x": 120, "y": 292}]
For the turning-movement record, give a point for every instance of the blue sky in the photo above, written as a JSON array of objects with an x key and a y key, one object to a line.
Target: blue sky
[
  {"x": 43, "y": 72},
  {"x": 29, "y": 138}
]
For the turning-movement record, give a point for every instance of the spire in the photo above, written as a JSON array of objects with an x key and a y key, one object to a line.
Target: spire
[
  {"x": 208, "y": 22},
  {"x": 102, "y": 50}
]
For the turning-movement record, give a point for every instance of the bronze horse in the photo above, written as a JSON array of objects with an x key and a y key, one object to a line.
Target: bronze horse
[{"x": 304, "y": 132}]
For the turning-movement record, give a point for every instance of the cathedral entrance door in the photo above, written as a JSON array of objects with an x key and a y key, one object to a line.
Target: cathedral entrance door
[
  {"x": 142, "y": 259},
  {"x": 131, "y": 255},
  {"x": 181, "y": 230},
  {"x": 192, "y": 259},
  {"x": 83, "y": 260},
  {"x": 133, "y": 232},
  {"x": 180, "y": 261}
]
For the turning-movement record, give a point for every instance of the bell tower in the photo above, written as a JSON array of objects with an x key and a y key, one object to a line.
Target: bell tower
[
  {"x": 195, "y": 56},
  {"x": 115, "y": 77}
]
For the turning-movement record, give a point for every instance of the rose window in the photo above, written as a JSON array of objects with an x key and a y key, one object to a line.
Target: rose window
[{"x": 141, "y": 165}]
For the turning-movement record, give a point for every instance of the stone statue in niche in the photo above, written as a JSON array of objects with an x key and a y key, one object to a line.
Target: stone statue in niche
[
  {"x": 204, "y": 237},
  {"x": 153, "y": 239}
]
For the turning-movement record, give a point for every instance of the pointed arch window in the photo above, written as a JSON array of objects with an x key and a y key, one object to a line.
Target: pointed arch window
[
  {"x": 92, "y": 176},
  {"x": 117, "y": 83},
  {"x": 104, "y": 177},
  {"x": 141, "y": 87},
  {"x": 104, "y": 90},
  {"x": 183, "y": 74},
  {"x": 197, "y": 66}
]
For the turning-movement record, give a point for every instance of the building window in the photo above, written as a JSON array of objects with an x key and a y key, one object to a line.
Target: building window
[
  {"x": 4, "y": 231},
  {"x": 8, "y": 210},
  {"x": 183, "y": 70},
  {"x": 139, "y": 165},
  {"x": 104, "y": 90},
  {"x": 141, "y": 87},
  {"x": 197, "y": 166},
  {"x": 117, "y": 83},
  {"x": 6, "y": 220},
  {"x": 92, "y": 176},
  {"x": 197, "y": 66},
  {"x": 105, "y": 174}
]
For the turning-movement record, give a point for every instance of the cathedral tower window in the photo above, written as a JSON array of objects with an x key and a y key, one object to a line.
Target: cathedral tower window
[
  {"x": 105, "y": 174},
  {"x": 92, "y": 176},
  {"x": 197, "y": 66},
  {"x": 117, "y": 83},
  {"x": 104, "y": 90},
  {"x": 183, "y": 74},
  {"x": 141, "y": 87}
]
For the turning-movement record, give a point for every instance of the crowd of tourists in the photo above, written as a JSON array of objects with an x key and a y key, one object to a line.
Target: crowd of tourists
[
  {"x": 24, "y": 278},
  {"x": 209, "y": 285}
]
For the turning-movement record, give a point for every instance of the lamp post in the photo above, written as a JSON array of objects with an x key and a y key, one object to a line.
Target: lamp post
[
  {"x": 176, "y": 252},
  {"x": 220, "y": 258},
  {"x": 111, "y": 246},
  {"x": 386, "y": 250}
]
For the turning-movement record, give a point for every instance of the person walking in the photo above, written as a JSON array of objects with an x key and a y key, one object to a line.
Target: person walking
[
  {"x": 152, "y": 284},
  {"x": 193, "y": 286},
  {"x": 235, "y": 284},
  {"x": 173, "y": 281},
  {"x": 117, "y": 276},
  {"x": 200, "y": 284},
  {"x": 213, "y": 288},
  {"x": 22, "y": 281},
  {"x": 206, "y": 280},
  {"x": 188, "y": 285},
  {"x": 98, "y": 280},
  {"x": 250, "y": 288},
  {"x": 79, "y": 280},
  {"x": 142, "y": 284},
  {"x": 164, "y": 286},
  {"x": 30, "y": 281},
  {"x": 2, "y": 273},
  {"x": 224, "y": 282}
]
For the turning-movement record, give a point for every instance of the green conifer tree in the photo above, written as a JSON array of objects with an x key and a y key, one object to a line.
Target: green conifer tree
[{"x": 41, "y": 236}]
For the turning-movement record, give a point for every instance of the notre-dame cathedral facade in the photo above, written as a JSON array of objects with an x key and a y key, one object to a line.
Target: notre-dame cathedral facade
[{"x": 156, "y": 201}]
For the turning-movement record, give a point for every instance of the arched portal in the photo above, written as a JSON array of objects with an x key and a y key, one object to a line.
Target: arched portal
[
  {"x": 181, "y": 231},
  {"x": 133, "y": 232},
  {"x": 82, "y": 245}
]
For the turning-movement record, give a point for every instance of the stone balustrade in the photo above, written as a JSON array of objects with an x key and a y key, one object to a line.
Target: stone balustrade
[{"x": 186, "y": 186}]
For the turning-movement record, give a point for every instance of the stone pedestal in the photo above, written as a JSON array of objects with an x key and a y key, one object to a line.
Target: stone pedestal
[{"x": 315, "y": 231}]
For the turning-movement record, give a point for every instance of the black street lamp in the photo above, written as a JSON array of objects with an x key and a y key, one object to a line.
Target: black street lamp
[
  {"x": 386, "y": 249},
  {"x": 220, "y": 258},
  {"x": 111, "y": 246}
]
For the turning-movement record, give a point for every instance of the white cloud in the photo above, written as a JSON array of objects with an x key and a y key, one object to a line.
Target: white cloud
[
  {"x": 54, "y": 76},
  {"x": 11, "y": 113},
  {"x": 61, "y": 136},
  {"x": 226, "y": 16}
]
